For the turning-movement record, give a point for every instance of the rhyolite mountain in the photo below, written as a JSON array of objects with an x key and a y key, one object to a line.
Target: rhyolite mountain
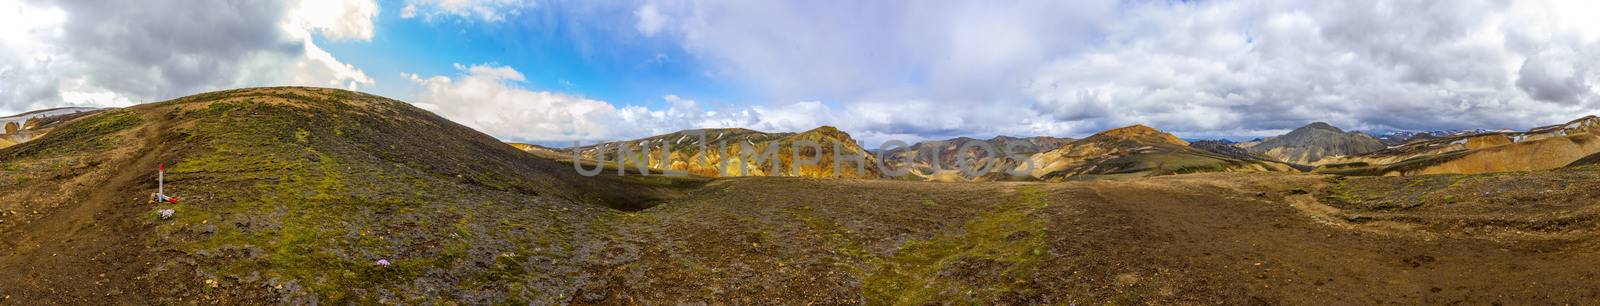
[
  {"x": 724, "y": 153},
  {"x": 1310, "y": 144},
  {"x": 948, "y": 154},
  {"x": 1403, "y": 137},
  {"x": 1540, "y": 148},
  {"x": 1228, "y": 148},
  {"x": 1135, "y": 151}
]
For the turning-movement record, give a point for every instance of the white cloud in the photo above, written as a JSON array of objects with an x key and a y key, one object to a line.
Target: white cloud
[
  {"x": 487, "y": 98},
  {"x": 650, "y": 21},
  {"x": 482, "y": 10},
  {"x": 1363, "y": 65},
  {"x": 491, "y": 98},
  {"x": 91, "y": 53},
  {"x": 1070, "y": 68},
  {"x": 336, "y": 19},
  {"x": 409, "y": 11}
]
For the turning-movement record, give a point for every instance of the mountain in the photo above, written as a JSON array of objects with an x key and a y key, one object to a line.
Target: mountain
[
  {"x": 949, "y": 161},
  {"x": 289, "y": 195},
  {"x": 1310, "y": 144},
  {"x": 543, "y": 151},
  {"x": 683, "y": 151},
  {"x": 1228, "y": 148},
  {"x": 1135, "y": 151},
  {"x": 1539, "y": 148},
  {"x": 23, "y": 127},
  {"x": 1403, "y": 137}
]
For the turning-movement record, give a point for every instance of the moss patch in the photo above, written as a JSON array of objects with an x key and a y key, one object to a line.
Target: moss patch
[{"x": 961, "y": 266}]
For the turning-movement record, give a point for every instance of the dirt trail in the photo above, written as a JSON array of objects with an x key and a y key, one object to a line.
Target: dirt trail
[{"x": 94, "y": 251}]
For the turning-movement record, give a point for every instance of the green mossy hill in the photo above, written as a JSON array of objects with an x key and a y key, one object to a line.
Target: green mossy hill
[
  {"x": 317, "y": 184},
  {"x": 291, "y": 194}
]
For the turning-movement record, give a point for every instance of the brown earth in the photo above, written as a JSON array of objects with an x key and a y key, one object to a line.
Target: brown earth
[{"x": 1203, "y": 238}]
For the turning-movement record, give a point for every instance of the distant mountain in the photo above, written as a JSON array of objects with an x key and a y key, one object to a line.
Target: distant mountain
[
  {"x": 1310, "y": 144},
  {"x": 542, "y": 151},
  {"x": 949, "y": 161},
  {"x": 27, "y": 126},
  {"x": 1403, "y": 137},
  {"x": 1539, "y": 148},
  {"x": 1227, "y": 148},
  {"x": 682, "y": 151},
  {"x": 1135, "y": 151}
]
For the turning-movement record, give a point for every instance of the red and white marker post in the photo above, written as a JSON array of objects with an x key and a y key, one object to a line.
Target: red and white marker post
[{"x": 161, "y": 187}]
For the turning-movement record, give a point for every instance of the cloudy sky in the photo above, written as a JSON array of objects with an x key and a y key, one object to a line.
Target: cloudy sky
[{"x": 558, "y": 71}]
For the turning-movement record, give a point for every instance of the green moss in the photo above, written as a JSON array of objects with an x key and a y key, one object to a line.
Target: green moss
[
  {"x": 841, "y": 239},
  {"x": 1009, "y": 236}
]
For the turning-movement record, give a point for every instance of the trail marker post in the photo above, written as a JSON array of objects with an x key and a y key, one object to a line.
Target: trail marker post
[{"x": 161, "y": 186}]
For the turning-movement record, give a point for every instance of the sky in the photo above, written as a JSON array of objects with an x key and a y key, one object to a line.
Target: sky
[{"x": 554, "y": 72}]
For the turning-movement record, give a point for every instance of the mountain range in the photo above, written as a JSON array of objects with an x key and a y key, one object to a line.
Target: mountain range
[
  {"x": 1403, "y": 137},
  {"x": 1546, "y": 147},
  {"x": 1140, "y": 151}
]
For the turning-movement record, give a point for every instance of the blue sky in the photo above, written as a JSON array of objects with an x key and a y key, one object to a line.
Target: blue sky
[
  {"x": 554, "y": 51},
  {"x": 558, "y": 71}
]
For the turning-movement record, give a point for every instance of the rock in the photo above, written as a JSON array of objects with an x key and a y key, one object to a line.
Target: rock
[
  {"x": 383, "y": 262},
  {"x": 165, "y": 213}
]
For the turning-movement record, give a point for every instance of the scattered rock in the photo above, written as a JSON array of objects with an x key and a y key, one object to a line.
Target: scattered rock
[
  {"x": 165, "y": 213},
  {"x": 1127, "y": 279}
]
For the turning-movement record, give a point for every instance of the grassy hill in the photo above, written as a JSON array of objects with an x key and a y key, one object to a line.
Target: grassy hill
[{"x": 293, "y": 193}]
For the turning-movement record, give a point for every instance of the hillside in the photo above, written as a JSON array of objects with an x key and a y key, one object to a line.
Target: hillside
[
  {"x": 1592, "y": 159},
  {"x": 291, "y": 194},
  {"x": 1136, "y": 151},
  {"x": 1310, "y": 144},
  {"x": 1539, "y": 148},
  {"x": 1230, "y": 149},
  {"x": 23, "y": 127},
  {"x": 948, "y": 156},
  {"x": 724, "y": 153}
]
